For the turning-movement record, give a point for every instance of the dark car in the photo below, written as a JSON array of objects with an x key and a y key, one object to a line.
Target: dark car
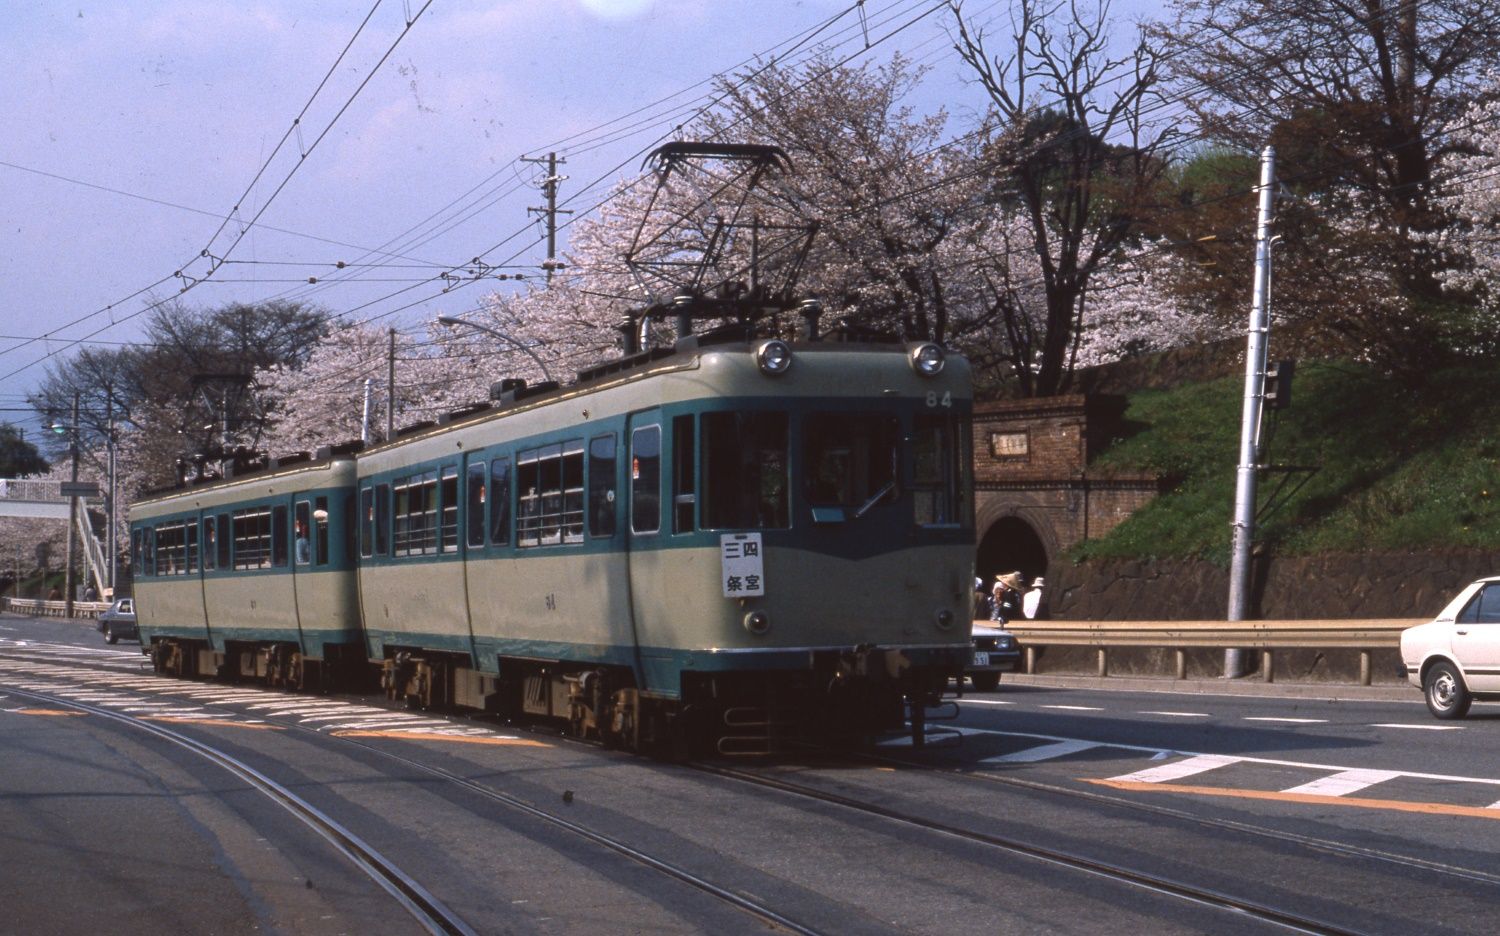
[
  {"x": 995, "y": 651},
  {"x": 119, "y": 621}
]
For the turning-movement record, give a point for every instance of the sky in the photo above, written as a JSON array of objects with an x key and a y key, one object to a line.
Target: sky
[{"x": 146, "y": 142}]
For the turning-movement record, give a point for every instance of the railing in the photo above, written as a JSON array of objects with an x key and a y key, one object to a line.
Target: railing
[
  {"x": 40, "y": 608},
  {"x": 1363, "y": 635}
]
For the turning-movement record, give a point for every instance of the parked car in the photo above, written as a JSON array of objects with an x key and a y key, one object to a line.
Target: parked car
[
  {"x": 1455, "y": 658},
  {"x": 119, "y": 621},
  {"x": 995, "y": 651}
]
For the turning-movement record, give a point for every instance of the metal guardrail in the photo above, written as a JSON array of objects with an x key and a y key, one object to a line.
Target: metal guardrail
[
  {"x": 1363, "y": 635},
  {"x": 41, "y": 608}
]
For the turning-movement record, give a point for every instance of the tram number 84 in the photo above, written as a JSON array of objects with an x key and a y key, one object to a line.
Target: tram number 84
[{"x": 934, "y": 399}]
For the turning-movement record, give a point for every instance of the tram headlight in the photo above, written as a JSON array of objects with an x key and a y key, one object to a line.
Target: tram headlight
[
  {"x": 945, "y": 620},
  {"x": 757, "y": 622},
  {"x": 774, "y": 357},
  {"x": 927, "y": 359}
]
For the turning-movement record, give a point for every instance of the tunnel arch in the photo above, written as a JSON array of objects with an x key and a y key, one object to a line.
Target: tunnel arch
[{"x": 1011, "y": 544}]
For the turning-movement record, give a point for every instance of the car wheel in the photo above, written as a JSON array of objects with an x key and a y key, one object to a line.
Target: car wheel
[
  {"x": 986, "y": 682},
  {"x": 109, "y": 635},
  {"x": 1447, "y": 696}
]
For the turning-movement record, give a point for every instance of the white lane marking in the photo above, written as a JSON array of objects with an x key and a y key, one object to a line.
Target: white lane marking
[
  {"x": 1344, "y": 783},
  {"x": 1493, "y": 806},
  {"x": 1073, "y": 708},
  {"x": 1289, "y": 721},
  {"x": 1179, "y": 769},
  {"x": 1423, "y": 727},
  {"x": 379, "y": 723},
  {"x": 1041, "y": 753},
  {"x": 968, "y": 701},
  {"x": 1179, "y": 714}
]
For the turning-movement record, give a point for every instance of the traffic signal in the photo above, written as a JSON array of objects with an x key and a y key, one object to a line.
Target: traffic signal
[{"x": 1278, "y": 391}]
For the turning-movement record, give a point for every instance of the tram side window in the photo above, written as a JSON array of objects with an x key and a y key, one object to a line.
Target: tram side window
[
  {"x": 278, "y": 537},
  {"x": 210, "y": 545},
  {"x": 448, "y": 496},
  {"x": 500, "y": 502},
  {"x": 252, "y": 538},
  {"x": 602, "y": 486},
  {"x": 302, "y": 547},
  {"x": 645, "y": 479},
  {"x": 171, "y": 549},
  {"x": 382, "y": 519},
  {"x": 683, "y": 487},
  {"x": 416, "y": 515},
  {"x": 849, "y": 460},
  {"x": 320, "y": 531},
  {"x": 190, "y": 551},
  {"x": 348, "y": 521},
  {"x": 223, "y": 537},
  {"x": 935, "y": 471},
  {"x": 744, "y": 465},
  {"x": 549, "y": 481},
  {"x": 367, "y": 522},
  {"x": 474, "y": 514}
]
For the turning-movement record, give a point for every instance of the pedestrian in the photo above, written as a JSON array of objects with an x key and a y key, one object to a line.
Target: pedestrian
[
  {"x": 981, "y": 601},
  {"x": 55, "y": 594},
  {"x": 89, "y": 594},
  {"x": 1006, "y": 598},
  {"x": 1034, "y": 603}
]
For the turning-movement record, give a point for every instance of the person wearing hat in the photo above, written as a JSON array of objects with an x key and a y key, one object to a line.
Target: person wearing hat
[
  {"x": 1006, "y": 598},
  {"x": 1034, "y": 603}
]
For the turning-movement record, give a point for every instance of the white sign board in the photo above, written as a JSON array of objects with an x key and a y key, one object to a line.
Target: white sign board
[{"x": 743, "y": 574}]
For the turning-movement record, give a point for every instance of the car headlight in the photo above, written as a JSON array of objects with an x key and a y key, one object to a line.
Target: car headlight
[
  {"x": 774, "y": 357},
  {"x": 927, "y": 359}
]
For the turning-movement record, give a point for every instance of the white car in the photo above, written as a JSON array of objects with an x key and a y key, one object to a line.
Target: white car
[{"x": 1455, "y": 658}]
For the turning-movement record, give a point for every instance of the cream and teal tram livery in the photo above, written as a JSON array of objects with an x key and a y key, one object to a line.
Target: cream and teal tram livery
[
  {"x": 728, "y": 539},
  {"x": 252, "y": 575}
]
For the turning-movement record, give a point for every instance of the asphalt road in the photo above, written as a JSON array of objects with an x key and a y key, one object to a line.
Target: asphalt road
[{"x": 1365, "y": 815}]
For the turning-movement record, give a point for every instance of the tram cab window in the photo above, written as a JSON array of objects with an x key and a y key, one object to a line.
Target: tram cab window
[
  {"x": 936, "y": 471},
  {"x": 602, "y": 486},
  {"x": 474, "y": 512},
  {"x": 171, "y": 549},
  {"x": 645, "y": 479},
  {"x": 448, "y": 500},
  {"x": 849, "y": 463},
  {"x": 190, "y": 547},
  {"x": 744, "y": 465},
  {"x": 684, "y": 488}
]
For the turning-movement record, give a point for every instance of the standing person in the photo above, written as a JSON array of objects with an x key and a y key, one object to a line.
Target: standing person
[
  {"x": 1034, "y": 603},
  {"x": 1006, "y": 598},
  {"x": 304, "y": 549},
  {"x": 981, "y": 601}
]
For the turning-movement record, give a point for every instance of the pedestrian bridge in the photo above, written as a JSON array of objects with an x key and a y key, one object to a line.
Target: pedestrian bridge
[{"x": 32, "y": 499}]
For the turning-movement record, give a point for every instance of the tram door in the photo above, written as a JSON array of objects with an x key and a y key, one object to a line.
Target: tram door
[{"x": 650, "y": 590}]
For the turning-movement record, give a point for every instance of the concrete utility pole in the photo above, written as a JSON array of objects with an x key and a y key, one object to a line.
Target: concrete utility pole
[
  {"x": 72, "y": 517},
  {"x": 109, "y": 440},
  {"x": 1255, "y": 384},
  {"x": 551, "y": 211}
]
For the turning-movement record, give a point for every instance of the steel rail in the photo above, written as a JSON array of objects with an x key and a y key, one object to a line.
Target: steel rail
[
  {"x": 1193, "y": 894},
  {"x": 634, "y": 854},
  {"x": 421, "y": 904}
]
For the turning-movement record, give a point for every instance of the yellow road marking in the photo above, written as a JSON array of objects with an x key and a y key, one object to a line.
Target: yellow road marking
[
  {"x": 416, "y": 736},
  {"x": 1433, "y": 809},
  {"x": 211, "y": 721},
  {"x": 65, "y": 713}
]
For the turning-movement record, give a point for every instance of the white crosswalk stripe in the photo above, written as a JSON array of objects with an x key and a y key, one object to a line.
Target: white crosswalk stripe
[
  {"x": 1177, "y": 770},
  {"x": 1344, "y": 783}
]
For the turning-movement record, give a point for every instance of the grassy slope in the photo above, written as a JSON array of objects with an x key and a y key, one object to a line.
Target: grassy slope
[{"x": 1397, "y": 468}]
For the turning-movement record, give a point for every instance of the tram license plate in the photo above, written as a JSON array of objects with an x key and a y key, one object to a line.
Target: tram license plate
[{"x": 981, "y": 658}]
